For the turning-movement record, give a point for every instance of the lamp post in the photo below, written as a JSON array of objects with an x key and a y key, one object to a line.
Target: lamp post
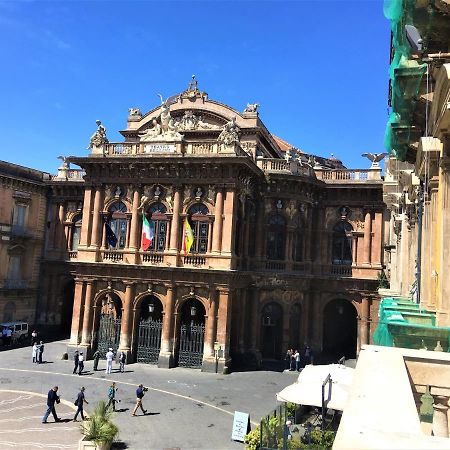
[{"x": 151, "y": 308}]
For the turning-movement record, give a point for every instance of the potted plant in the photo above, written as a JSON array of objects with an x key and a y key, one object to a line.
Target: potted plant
[{"x": 99, "y": 428}]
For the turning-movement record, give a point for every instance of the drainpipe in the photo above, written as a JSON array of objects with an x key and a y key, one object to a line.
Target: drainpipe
[{"x": 419, "y": 241}]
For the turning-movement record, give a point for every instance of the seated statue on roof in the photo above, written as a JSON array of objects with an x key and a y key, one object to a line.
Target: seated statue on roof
[{"x": 99, "y": 137}]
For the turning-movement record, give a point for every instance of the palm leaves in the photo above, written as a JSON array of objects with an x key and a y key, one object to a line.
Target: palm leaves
[{"x": 99, "y": 428}]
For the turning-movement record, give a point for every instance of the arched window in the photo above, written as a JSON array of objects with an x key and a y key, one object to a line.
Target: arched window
[
  {"x": 342, "y": 243},
  {"x": 119, "y": 222},
  {"x": 276, "y": 237},
  {"x": 76, "y": 233},
  {"x": 199, "y": 221},
  {"x": 297, "y": 250},
  {"x": 156, "y": 214}
]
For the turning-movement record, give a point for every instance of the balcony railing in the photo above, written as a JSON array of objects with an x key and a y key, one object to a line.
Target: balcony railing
[
  {"x": 274, "y": 165},
  {"x": 112, "y": 256},
  {"x": 15, "y": 284},
  {"x": 341, "y": 270},
  {"x": 275, "y": 265},
  {"x": 194, "y": 260},
  {"x": 152, "y": 258},
  {"x": 346, "y": 175}
]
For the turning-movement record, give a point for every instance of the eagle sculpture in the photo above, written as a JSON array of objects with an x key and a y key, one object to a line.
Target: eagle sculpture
[{"x": 375, "y": 157}]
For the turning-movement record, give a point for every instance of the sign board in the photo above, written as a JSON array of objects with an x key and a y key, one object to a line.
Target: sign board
[
  {"x": 160, "y": 148},
  {"x": 240, "y": 426}
]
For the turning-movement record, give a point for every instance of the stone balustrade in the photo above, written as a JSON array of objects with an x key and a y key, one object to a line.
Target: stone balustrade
[
  {"x": 275, "y": 165},
  {"x": 348, "y": 175}
]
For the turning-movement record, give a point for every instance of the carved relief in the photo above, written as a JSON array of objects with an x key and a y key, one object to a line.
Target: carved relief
[
  {"x": 230, "y": 134},
  {"x": 249, "y": 147},
  {"x": 190, "y": 122}
]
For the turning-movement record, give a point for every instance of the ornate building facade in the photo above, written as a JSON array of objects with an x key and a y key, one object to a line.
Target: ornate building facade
[{"x": 285, "y": 248}]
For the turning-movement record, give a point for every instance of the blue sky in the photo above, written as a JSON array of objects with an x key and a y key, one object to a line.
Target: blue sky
[{"x": 319, "y": 69}]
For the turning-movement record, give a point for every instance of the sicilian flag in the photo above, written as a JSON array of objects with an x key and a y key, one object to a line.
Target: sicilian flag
[
  {"x": 188, "y": 237},
  {"x": 110, "y": 235},
  {"x": 148, "y": 233}
]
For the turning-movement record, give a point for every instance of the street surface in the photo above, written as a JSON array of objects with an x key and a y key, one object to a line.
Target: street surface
[{"x": 186, "y": 409}]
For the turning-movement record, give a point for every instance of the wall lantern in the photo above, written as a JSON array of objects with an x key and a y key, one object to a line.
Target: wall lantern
[
  {"x": 340, "y": 310},
  {"x": 151, "y": 308},
  {"x": 193, "y": 311}
]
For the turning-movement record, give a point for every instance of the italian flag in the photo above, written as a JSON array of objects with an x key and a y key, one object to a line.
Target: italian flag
[
  {"x": 188, "y": 237},
  {"x": 148, "y": 233}
]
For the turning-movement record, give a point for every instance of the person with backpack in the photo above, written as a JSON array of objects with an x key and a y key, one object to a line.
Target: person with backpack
[{"x": 80, "y": 400}]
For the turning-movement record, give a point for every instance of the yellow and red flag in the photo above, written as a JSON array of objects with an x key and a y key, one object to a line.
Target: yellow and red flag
[{"x": 188, "y": 237}]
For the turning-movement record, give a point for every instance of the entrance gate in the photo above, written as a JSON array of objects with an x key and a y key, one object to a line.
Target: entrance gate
[
  {"x": 108, "y": 334},
  {"x": 149, "y": 341},
  {"x": 191, "y": 346}
]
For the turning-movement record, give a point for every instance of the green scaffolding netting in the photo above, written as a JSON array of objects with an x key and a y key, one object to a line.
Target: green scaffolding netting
[
  {"x": 405, "y": 77},
  {"x": 403, "y": 324}
]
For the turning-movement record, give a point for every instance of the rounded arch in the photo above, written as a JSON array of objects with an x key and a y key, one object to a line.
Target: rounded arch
[
  {"x": 156, "y": 208},
  {"x": 186, "y": 302},
  {"x": 137, "y": 302},
  {"x": 151, "y": 307},
  {"x": 271, "y": 322},
  {"x": 102, "y": 302},
  {"x": 113, "y": 200},
  {"x": 196, "y": 208},
  {"x": 340, "y": 328}
]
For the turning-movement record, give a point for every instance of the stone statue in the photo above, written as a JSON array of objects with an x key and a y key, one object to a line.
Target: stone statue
[
  {"x": 190, "y": 121},
  {"x": 375, "y": 158},
  {"x": 251, "y": 108},
  {"x": 167, "y": 123},
  {"x": 99, "y": 137},
  {"x": 230, "y": 133},
  {"x": 134, "y": 112},
  {"x": 144, "y": 200},
  {"x": 151, "y": 133},
  {"x": 65, "y": 162}
]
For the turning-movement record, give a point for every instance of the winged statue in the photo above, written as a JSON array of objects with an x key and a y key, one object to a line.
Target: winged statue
[
  {"x": 65, "y": 161},
  {"x": 375, "y": 157}
]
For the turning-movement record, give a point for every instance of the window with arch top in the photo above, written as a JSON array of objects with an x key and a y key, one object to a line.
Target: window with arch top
[
  {"x": 156, "y": 214},
  {"x": 276, "y": 237},
  {"x": 342, "y": 243},
  {"x": 119, "y": 223},
  {"x": 199, "y": 221},
  {"x": 76, "y": 232}
]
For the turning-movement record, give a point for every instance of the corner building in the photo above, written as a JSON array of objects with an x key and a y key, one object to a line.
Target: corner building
[{"x": 286, "y": 246}]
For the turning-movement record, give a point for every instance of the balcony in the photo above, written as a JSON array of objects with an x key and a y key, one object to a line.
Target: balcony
[
  {"x": 344, "y": 175},
  {"x": 15, "y": 284},
  {"x": 274, "y": 165},
  {"x": 340, "y": 270},
  {"x": 194, "y": 260},
  {"x": 20, "y": 231},
  {"x": 151, "y": 258},
  {"x": 112, "y": 256}
]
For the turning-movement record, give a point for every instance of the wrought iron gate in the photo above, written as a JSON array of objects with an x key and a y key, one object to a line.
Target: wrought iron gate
[
  {"x": 149, "y": 341},
  {"x": 190, "y": 352},
  {"x": 108, "y": 334}
]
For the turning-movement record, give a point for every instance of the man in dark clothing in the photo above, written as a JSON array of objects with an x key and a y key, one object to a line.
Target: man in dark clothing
[
  {"x": 52, "y": 398},
  {"x": 75, "y": 361},
  {"x": 79, "y": 402},
  {"x": 40, "y": 351},
  {"x": 96, "y": 359},
  {"x": 140, "y": 392}
]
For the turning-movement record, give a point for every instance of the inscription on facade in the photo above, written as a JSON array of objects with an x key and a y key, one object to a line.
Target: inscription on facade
[{"x": 159, "y": 148}]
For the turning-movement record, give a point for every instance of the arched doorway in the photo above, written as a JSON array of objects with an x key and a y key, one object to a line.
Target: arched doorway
[
  {"x": 340, "y": 329},
  {"x": 271, "y": 331},
  {"x": 149, "y": 331},
  {"x": 191, "y": 334},
  {"x": 67, "y": 307},
  {"x": 108, "y": 329}
]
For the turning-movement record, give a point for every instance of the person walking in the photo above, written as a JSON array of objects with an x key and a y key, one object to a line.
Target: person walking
[
  {"x": 140, "y": 392},
  {"x": 52, "y": 398},
  {"x": 122, "y": 358},
  {"x": 40, "y": 352},
  {"x": 297, "y": 360},
  {"x": 34, "y": 352},
  {"x": 109, "y": 360},
  {"x": 80, "y": 363},
  {"x": 34, "y": 337},
  {"x": 287, "y": 358},
  {"x": 112, "y": 396},
  {"x": 76, "y": 358},
  {"x": 79, "y": 403},
  {"x": 96, "y": 357}
]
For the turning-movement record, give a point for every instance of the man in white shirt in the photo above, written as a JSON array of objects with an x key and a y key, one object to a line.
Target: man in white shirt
[
  {"x": 109, "y": 360},
  {"x": 80, "y": 363}
]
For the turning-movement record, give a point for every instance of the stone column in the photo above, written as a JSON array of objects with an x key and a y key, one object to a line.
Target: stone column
[
  {"x": 440, "y": 416},
  {"x": 218, "y": 224},
  {"x": 125, "y": 325},
  {"x": 260, "y": 235},
  {"x": 95, "y": 236},
  {"x": 354, "y": 250},
  {"x": 228, "y": 223},
  {"x": 174, "y": 230},
  {"x": 134, "y": 241},
  {"x": 367, "y": 237},
  {"x": 165, "y": 355},
  {"x": 364, "y": 322},
  {"x": 223, "y": 327},
  {"x": 60, "y": 236},
  {"x": 76, "y": 317},
  {"x": 377, "y": 241},
  {"x": 211, "y": 326},
  {"x": 87, "y": 322},
  {"x": 433, "y": 241}
]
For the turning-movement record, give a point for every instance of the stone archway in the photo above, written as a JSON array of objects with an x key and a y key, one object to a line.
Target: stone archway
[
  {"x": 191, "y": 334},
  {"x": 340, "y": 329},
  {"x": 272, "y": 331},
  {"x": 149, "y": 331}
]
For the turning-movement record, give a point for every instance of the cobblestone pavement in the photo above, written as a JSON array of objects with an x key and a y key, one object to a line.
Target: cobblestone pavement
[
  {"x": 21, "y": 427},
  {"x": 187, "y": 409}
]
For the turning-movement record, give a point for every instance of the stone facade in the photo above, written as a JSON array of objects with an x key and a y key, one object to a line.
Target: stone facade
[
  {"x": 286, "y": 250},
  {"x": 23, "y": 202}
]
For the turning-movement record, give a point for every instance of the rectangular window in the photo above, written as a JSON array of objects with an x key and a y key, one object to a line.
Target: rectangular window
[
  {"x": 19, "y": 215},
  {"x": 14, "y": 267}
]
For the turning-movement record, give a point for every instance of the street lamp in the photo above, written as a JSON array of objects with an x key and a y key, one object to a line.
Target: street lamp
[
  {"x": 193, "y": 311},
  {"x": 151, "y": 308}
]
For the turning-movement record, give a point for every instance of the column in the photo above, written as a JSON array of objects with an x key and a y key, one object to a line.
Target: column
[
  {"x": 367, "y": 237},
  {"x": 260, "y": 225},
  {"x": 60, "y": 236},
  {"x": 87, "y": 322},
  {"x": 354, "y": 250},
  {"x": 308, "y": 240},
  {"x": 95, "y": 236},
  {"x": 174, "y": 230},
  {"x": 134, "y": 241},
  {"x": 228, "y": 223},
  {"x": 223, "y": 325},
  {"x": 85, "y": 224},
  {"x": 77, "y": 307},
  {"x": 377, "y": 241},
  {"x": 125, "y": 325},
  {"x": 364, "y": 322},
  {"x": 165, "y": 355},
  {"x": 211, "y": 326},
  {"x": 218, "y": 223},
  {"x": 440, "y": 416}
]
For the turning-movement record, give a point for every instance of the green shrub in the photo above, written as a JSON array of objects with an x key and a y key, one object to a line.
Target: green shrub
[
  {"x": 251, "y": 439},
  {"x": 99, "y": 428}
]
